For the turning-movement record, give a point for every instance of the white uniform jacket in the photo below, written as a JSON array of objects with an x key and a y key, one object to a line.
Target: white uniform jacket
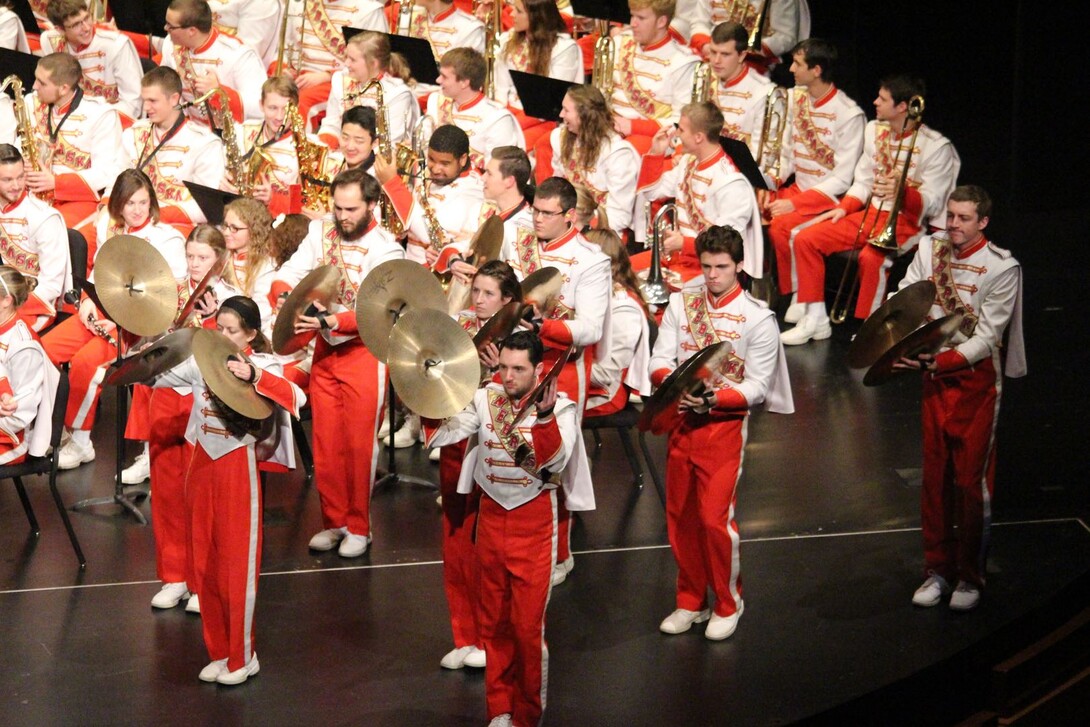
[
  {"x": 565, "y": 64},
  {"x": 255, "y": 22},
  {"x": 402, "y": 109},
  {"x": 629, "y": 353},
  {"x": 111, "y": 67},
  {"x": 520, "y": 248},
  {"x": 34, "y": 241},
  {"x": 26, "y": 372},
  {"x": 652, "y": 82},
  {"x": 317, "y": 36},
  {"x": 743, "y": 103},
  {"x": 285, "y": 167},
  {"x": 88, "y": 145},
  {"x": 452, "y": 28},
  {"x": 238, "y": 67},
  {"x": 788, "y": 21},
  {"x": 12, "y": 33},
  {"x": 822, "y": 141},
  {"x": 488, "y": 124},
  {"x": 612, "y": 180},
  {"x": 458, "y": 206}
]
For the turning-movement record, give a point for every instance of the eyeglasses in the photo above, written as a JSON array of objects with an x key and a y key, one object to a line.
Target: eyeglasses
[
  {"x": 233, "y": 229},
  {"x": 84, "y": 21},
  {"x": 546, "y": 213},
  {"x": 168, "y": 27}
]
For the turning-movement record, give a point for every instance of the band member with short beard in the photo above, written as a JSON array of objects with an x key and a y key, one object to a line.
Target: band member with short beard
[{"x": 347, "y": 383}]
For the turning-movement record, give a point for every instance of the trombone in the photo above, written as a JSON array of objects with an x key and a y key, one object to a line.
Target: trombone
[
  {"x": 885, "y": 238},
  {"x": 605, "y": 50}
]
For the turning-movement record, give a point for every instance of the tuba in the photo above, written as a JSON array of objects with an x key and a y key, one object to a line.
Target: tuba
[
  {"x": 654, "y": 289},
  {"x": 311, "y": 157},
  {"x": 24, "y": 129},
  {"x": 885, "y": 238}
]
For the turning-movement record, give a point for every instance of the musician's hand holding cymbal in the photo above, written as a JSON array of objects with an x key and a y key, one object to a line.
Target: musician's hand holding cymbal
[
  {"x": 923, "y": 362},
  {"x": 547, "y": 402},
  {"x": 323, "y": 319},
  {"x": 489, "y": 354},
  {"x": 207, "y": 305},
  {"x": 697, "y": 403},
  {"x": 8, "y": 405}
]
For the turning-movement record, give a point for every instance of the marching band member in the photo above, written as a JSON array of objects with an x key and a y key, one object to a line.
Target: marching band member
[
  {"x": 273, "y": 137},
  {"x": 79, "y": 140},
  {"x": 33, "y": 240},
  {"x": 445, "y": 27},
  {"x": 461, "y": 101},
  {"x": 111, "y": 68},
  {"x": 170, "y": 149},
  {"x": 206, "y": 59},
  {"x": 251, "y": 269},
  {"x": 255, "y": 22},
  {"x": 347, "y": 383},
  {"x": 625, "y": 368},
  {"x": 586, "y": 150},
  {"x": 27, "y": 380},
  {"x": 88, "y": 341},
  {"x": 368, "y": 58},
  {"x": 705, "y": 446},
  {"x": 453, "y": 197},
  {"x": 507, "y": 187},
  {"x": 516, "y": 527},
  {"x": 652, "y": 74},
  {"x": 787, "y": 22},
  {"x": 226, "y": 491},
  {"x": 739, "y": 92},
  {"x": 315, "y": 31},
  {"x": 932, "y": 174},
  {"x": 822, "y": 143},
  {"x": 494, "y": 286},
  {"x": 12, "y": 33},
  {"x": 709, "y": 190},
  {"x": 357, "y": 150},
  {"x": 962, "y": 387},
  {"x": 547, "y": 50}
]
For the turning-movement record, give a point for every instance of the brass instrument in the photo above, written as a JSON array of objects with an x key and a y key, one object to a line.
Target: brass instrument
[
  {"x": 242, "y": 171},
  {"x": 654, "y": 289},
  {"x": 492, "y": 30},
  {"x": 282, "y": 47},
  {"x": 703, "y": 82},
  {"x": 885, "y": 238},
  {"x": 315, "y": 189},
  {"x": 24, "y": 129},
  {"x": 605, "y": 52},
  {"x": 757, "y": 30},
  {"x": 404, "y": 17},
  {"x": 749, "y": 17},
  {"x": 772, "y": 130},
  {"x": 437, "y": 237},
  {"x": 383, "y": 148},
  {"x": 99, "y": 10}
]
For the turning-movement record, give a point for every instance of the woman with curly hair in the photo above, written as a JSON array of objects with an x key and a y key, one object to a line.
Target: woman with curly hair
[{"x": 247, "y": 231}]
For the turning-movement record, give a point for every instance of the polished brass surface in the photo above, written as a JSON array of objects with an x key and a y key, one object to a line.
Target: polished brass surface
[
  {"x": 926, "y": 339},
  {"x": 319, "y": 286},
  {"x": 433, "y": 363},
  {"x": 134, "y": 283},
  {"x": 389, "y": 291},
  {"x": 212, "y": 349},
  {"x": 896, "y": 318},
  {"x": 164, "y": 354},
  {"x": 660, "y": 410}
]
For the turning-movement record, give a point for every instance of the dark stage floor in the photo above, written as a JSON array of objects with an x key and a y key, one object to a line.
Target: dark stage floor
[{"x": 829, "y": 517}]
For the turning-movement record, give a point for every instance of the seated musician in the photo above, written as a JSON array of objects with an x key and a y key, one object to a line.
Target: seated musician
[
  {"x": 111, "y": 67},
  {"x": 507, "y": 188},
  {"x": 739, "y": 92},
  {"x": 277, "y": 177},
  {"x": 368, "y": 59},
  {"x": 786, "y": 23},
  {"x": 461, "y": 101},
  {"x": 33, "y": 240},
  {"x": 79, "y": 141},
  {"x": 169, "y": 149},
  {"x": 88, "y": 341},
  {"x": 652, "y": 74},
  {"x": 588, "y": 152},
  {"x": 864, "y": 211},
  {"x": 207, "y": 59},
  {"x": 251, "y": 269},
  {"x": 443, "y": 25},
  {"x": 314, "y": 47},
  {"x": 547, "y": 51},
  {"x": 708, "y": 188}
]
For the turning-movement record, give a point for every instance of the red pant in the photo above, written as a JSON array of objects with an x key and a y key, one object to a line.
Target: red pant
[
  {"x": 959, "y": 414},
  {"x": 170, "y": 456},
  {"x": 574, "y": 381},
  {"x": 703, "y": 466},
  {"x": 779, "y": 232},
  {"x": 226, "y": 495},
  {"x": 516, "y": 549},
  {"x": 310, "y": 96},
  {"x": 89, "y": 355},
  {"x": 138, "y": 424},
  {"x": 461, "y": 573},
  {"x": 347, "y": 390}
]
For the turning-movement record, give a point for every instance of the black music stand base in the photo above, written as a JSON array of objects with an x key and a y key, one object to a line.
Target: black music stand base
[{"x": 392, "y": 476}]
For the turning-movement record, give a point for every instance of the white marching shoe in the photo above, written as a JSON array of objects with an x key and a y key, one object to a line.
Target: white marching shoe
[
  {"x": 231, "y": 678},
  {"x": 328, "y": 539},
  {"x": 723, "y": 627},
  {"x": 353, "y": 545},
  {"x": 138, "y": 471},
  {"x": 562, "y": 569},
  {"x": 73, "y": 454},
  {"x": 794, "y": 313},
  {"x": 682, "y": 620},
  {"x": 475, "y": 658},
  {"x": 193, "y": 605},
  {"x": 807, "y": 330},
  {"x": 170, "y": 595}
]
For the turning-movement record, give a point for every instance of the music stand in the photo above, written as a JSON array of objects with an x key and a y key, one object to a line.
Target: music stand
[
  {"x": 19, "y": 64},
  {"x": 739, "y": 154},
  {"x": 416, "y": 51},
  {"x": 211, "y": 200},
  {"x": 541, "y": 96},
  {"x": 615, "y": 11}
]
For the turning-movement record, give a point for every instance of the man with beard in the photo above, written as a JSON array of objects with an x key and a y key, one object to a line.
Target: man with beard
[{"x": 347, "y": 383}]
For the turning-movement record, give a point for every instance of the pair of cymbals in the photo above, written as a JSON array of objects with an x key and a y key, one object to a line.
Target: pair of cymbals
[
  {"x": 485, "y": 245},
  {"x": 433, "y": 363},
  {"x": 538, "y": 391},
  {"x": 212, "y": 350},
  {"x": 135, "y": 285},
  {"x": 896, "y": 318},
  {"x": 390, "y": 291},
  {"x": 541, "y": 287},
  {"x": 160, "y": 356},
  {"x": 202, "y": 287},
  {"x": 319, "y": 286},
  {"x": 927, "y": 339},
  {"x": 660, "y": 411}
]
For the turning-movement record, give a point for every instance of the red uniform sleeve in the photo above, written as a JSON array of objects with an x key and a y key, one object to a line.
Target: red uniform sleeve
[
  {"x": 730, "y": 399},
  {"x": 346, "y": 322},
  {"x": 645, "y": 127},
  {"x": 555, "y": 334},
  {"x": 650, "y": 170},
  {"x": 950, "y": 360},
  {"x": 400, "y": 197},
  {"x": 850, "y": 204},
  {"x": 698, "y": 42},
  {"x": 659, "y": 375},
  {"x": 547, "y": 441},
  {"x": 279, "y": 389},
  {"x": 812, "y": 201},
  {"x": 70, "y": 187},
  {"x": 5, "y": 387}
]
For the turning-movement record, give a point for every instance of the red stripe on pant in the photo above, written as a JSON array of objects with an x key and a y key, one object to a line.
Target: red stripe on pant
[
  {"x": 87, "y": 355},
  {"x": 347, "y": 389},
  {"x": 170, "y": 456},
  {"x": 959, "y": 414},
  {"x": 516, "y": 549},
  {"x": 779, "y": 232},
  {"x": 227, "y": 536},
  {"x": 703, "y": 465},
  {"x": 461, "y": 573}
]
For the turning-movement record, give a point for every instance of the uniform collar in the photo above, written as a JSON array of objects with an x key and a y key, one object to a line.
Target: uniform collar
[
  {"x": 562, "y": 240},
  {"x": 712, "y": 160},
  {"x": 471, "y": 103},
  {"x": 976, "y": 247},
  {"x": 443, "y": 15},
  {"x": 827, "y": 97},
  {"x": 725, "y": 298},
  {"x": 738, "y": 79},
  {"x": 207, "y": 43},
  {"x": 7, "y": 326},
  {"x": 657, "y": 44},
  {"x": 139, "y": 227},
  {"x": 14, "y": 204}
]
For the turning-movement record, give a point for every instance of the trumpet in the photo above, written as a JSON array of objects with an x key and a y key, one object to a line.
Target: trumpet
[
  {"x": 605, "y": 51},
  {"x": 885, "y": 238},
  {"x": 24, "y": 129},
  {"x": 654, "y": 289}
]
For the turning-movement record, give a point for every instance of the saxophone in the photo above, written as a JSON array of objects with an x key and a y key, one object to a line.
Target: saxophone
[
  {"x": 239, "y": 171},
  {"x": 316, "y": 189},
  {"x": 25, "y": 131},
  {"x": 437, "y": 238},
  {"x": 383, "y": 148}
]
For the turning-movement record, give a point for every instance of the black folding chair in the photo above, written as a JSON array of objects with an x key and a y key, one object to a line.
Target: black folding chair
[{"x": 46, "y": 465}]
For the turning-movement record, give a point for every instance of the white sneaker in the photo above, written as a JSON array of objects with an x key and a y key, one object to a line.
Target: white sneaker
[
  {"x": 73, "y": 454},
  {"x": 230, "y": 678},
  {"x": 562, "y": 569},
  {"x": 211, "y": 672},
  {"x": 384, "y": 430},
  {"x": 353, "y": 546},
  {"x": 169, "y": 595},
  {"x": 501, "y": 720},
  {"x": 476, "y": 658},
  {"x": 807, "y": 329},
  {"x": 433, "y": 455},
  {"x": 966, "y": 597},
  {"x": 327, "y": 539},
  {"x": 794, "y": 313},
  {"x": 722, "y": 627},
  {"x": 455, "y": 658},
  {"x": 681, "y": 621},
  {"x": 193, "y": 605},
  {"x": 404, "y": 437},
  {"x": 138, "y": 471},
  {"x": 931, "y": 592}
]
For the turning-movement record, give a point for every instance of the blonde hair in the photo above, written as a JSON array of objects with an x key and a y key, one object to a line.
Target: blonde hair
[
  {"x": 281, "y": 86},
  {"x": 659, "y": 7},
  {"x": 14, "y": 284},
  {"x": 377, "y": 46},
  {"x": 254, "y": 215}
]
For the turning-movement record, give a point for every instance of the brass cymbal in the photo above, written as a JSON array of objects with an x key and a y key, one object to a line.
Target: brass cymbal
[
  {"x": 535, "y": 394},
  {"x": 135, "y": 285},
  {"x": 433, "y": 363},
  {"x": 660, "y": 411},
  {"x": 542, "y": 286},
  {"x": 926, "y": 339},
  {"x": 202, "y": 287},
  {"x": 212, "y": 349},
  {"x": 388, "y": 291},
  {"x": 483, "y": 246},
  {"x": 501, "y": 325},
  {"x": 164, "y": 354},
  {"x": 895, "y": 319},
  {"x": 319, "y": 286}
]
